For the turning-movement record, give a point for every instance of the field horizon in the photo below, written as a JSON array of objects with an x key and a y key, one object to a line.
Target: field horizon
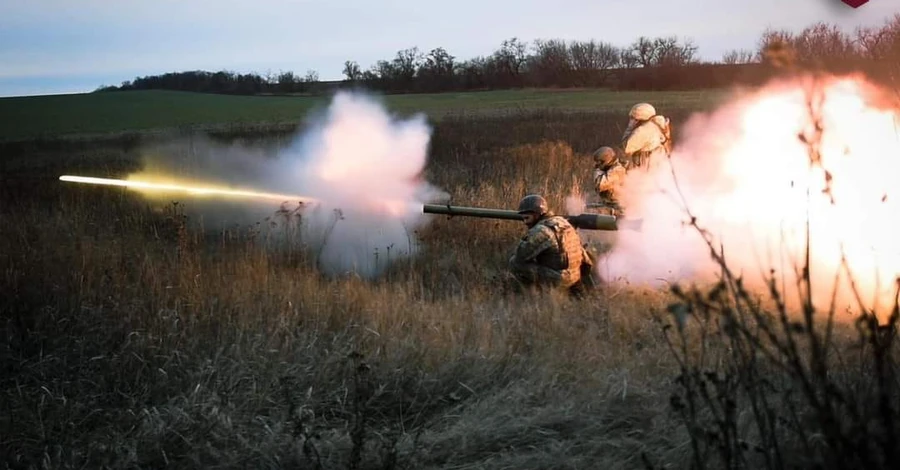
[{"x": 91, "y": 116}]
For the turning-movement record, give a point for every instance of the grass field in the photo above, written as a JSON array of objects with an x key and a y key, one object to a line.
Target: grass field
[
  {"x": 132, "y": 340},
  {"x": 97, "y": 113}
]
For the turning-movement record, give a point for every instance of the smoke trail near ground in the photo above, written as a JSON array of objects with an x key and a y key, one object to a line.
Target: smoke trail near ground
[
  {"x": 746, "y": 177},
  {"x": 362, "y": 165}
]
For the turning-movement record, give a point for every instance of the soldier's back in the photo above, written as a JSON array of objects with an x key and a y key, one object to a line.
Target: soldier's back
[{"x": 568, "y": 242}]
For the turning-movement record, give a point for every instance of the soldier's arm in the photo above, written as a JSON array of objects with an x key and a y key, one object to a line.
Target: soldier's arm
[
  {"x": 598, "y": 178},
  {"x": 645, "y": 137},
  {"x": 616, "y": 176},
  {"x": 533, "y": 244},
  {"x": 604, "y": 184}
]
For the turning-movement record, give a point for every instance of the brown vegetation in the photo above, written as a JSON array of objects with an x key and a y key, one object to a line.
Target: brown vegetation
[{"x": 130, "y": 340}]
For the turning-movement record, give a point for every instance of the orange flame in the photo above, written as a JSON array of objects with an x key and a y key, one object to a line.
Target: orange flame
[{"x": 748, "y": 179}]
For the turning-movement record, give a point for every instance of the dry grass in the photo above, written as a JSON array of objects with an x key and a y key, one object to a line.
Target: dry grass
[{"x": 130, "y": 341}]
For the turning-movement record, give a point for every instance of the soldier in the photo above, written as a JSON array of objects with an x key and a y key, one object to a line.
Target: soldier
[
  {"x": 551, "y": 253},
  {"x": 647, "y": 137},
  {"x": 609, "y": 175}
]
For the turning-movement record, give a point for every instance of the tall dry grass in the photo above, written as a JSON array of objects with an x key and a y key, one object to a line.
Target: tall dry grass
[{"x": 131, "y": 340}]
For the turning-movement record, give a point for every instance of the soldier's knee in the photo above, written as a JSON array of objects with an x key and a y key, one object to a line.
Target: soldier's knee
[
  {"x": 524, "y": 272},
  {"x": 515, "y": 266}
]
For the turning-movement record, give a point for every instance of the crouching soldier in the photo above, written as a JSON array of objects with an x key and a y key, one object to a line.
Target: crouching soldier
[
  {"x": 609, "y": 176},
  {"x": 551, "y": 253}
]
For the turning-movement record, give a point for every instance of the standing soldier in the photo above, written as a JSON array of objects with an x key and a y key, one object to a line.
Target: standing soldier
[
  {"x": 551, "y": 253},
  {"x": 647, "y": 137},
  {"x": 609, "y": 176}
]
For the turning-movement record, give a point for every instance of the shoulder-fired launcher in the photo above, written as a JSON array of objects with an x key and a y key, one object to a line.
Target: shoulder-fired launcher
[{"x": 582, "y": 221}]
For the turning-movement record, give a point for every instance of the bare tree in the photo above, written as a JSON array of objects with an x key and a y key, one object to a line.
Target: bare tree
[
  {"x": 550, "y": 64},
  {"x": 628, "y": 58},
  {"x": 352, "y": 71},
  {"x": 406, "y": 63},
  {"x": 593, "y": 55},
  {"x": 647, "y": 52},
  {"x": 667, "y": 51},
  {"x": 511, "y": 57},
  {"x": 438, "y": 62},
  {"x": 287, "y": 81},
  {"x": 771, "y": 40},
  {"x": 592, "y": 62},
  {"x": 739, "y": 56},
  {"x": 642, "y": 51},
  {"x": 822, "y": 41},
  {"x": 437, "y": 70},
  {"x": 871, "y": 42},
  {"x": 383, "y": 70},
  {"x": 473, "y": 72},
  {"x": 879, "y": 43}
]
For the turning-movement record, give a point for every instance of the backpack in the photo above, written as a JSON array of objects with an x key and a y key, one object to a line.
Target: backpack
[{"x": 666, "y": 128}]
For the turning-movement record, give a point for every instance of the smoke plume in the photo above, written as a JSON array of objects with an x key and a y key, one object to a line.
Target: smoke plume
[
  {"x": 361, "y": 165},
  {"x": 745, "y": 174}
]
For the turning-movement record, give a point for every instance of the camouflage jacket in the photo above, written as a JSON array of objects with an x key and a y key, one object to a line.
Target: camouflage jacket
[
  {"x": 552, "y": 243},
  {"x": 609, "y": 180},
  {"x": 645, "y": 140}
]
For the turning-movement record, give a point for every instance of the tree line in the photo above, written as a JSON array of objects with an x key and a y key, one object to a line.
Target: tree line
[{"x": 648, "y": 63}]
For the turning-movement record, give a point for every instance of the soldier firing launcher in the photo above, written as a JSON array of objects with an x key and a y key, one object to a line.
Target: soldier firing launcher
[{"x": 582, "y": 221}]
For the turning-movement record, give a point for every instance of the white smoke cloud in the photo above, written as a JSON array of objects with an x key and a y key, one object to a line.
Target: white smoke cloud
[
  {"x": 744, "y": 174},
  {"x": 362, "y": 165}
]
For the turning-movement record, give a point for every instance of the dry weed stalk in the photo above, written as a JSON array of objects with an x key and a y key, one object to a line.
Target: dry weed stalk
[
  {"x": 126, "y": 345},
  {"x": 760, "y": 388}
]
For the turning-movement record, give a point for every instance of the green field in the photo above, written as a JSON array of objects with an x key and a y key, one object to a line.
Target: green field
[{"x": 23, "y": 118}]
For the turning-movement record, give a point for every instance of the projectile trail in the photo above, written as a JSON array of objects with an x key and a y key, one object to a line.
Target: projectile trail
[{"x": 197, "y": 190}]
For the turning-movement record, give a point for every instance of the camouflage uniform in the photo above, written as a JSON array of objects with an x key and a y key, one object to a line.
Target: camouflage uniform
[
  {"x": 647, "y": 136},
  {"x": 550, "y": 254},
  {"x": 609, "y": 176}
]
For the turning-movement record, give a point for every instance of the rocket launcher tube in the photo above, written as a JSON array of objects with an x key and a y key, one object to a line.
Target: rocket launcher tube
[
  {"x": 472, "y": 212},
  {"x": 582, "y": 221}
]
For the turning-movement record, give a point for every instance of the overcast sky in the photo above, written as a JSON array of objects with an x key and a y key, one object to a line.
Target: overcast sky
[{"x": 64, "y": 46}]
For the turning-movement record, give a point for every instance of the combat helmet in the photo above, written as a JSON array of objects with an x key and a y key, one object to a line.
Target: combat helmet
[
  {"x": 642, "y": 112},
  {"x": 604, "y": 155},
  {"x": 534, "y": 203}
]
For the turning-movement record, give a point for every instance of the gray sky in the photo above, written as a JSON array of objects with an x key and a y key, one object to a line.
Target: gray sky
[{"x": 58, "y": 46}]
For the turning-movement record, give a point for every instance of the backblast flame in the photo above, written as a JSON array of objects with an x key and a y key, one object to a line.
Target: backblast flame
[{"x": 756, "y": 171}]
